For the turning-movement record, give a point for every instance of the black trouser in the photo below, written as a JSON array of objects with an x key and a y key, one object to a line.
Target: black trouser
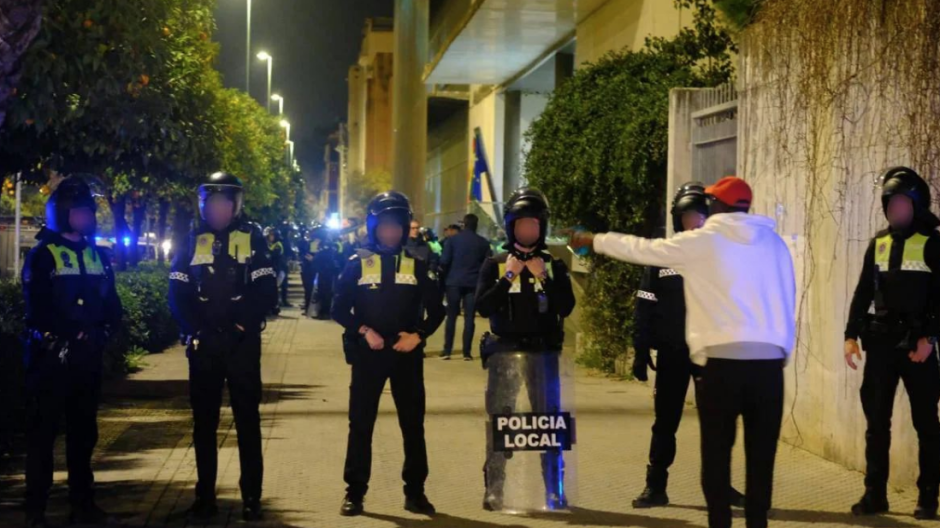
[
  {"x": 457, "y": 295},
  {"x": 673, "y": 372},
  {"x": 752, "y": 389},
  {"x": 56, "y": 390},
  {"x": 507, "y": 372},
  {"x": 284, "y": 286},
  {"x": 220, "y": 359},
  {"x": 370, "y": 370},
  {"x": 325, "y": 298},
  {"x": 885, "y": 365},
  {"x": 306, "y": 276}
]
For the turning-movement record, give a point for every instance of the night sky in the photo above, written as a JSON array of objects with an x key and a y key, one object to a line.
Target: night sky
[{"x": 313, "y": 42}]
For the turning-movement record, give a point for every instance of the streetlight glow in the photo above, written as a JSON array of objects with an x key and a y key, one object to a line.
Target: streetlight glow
[
  {"x": 276, "y": 97},
  {"x": 280, "y": 103},
  {"x": 285, "y": 123},
  {"x": 264, "y": 56}
]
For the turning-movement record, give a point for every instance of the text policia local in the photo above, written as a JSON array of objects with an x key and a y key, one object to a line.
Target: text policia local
[{"x": 531, "y": 431}]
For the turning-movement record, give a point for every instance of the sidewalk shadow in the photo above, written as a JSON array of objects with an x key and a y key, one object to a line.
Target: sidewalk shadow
[
  {"x": 441, "y": 520},
  {"x": 577, "y": 516},
  {"x": 820, "y": 517}
]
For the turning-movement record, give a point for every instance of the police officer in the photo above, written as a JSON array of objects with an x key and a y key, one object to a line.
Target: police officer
[
  {"x": 895, "y": 312},
  {"x": 71, "y": 310},
  {"x": 660, "y": 325},
  {"x": 526, "y": 294},
  {"x": 387, "y": 344},
  {"x": 278, "y": 262},
  {"x": 221, "y": 286}
]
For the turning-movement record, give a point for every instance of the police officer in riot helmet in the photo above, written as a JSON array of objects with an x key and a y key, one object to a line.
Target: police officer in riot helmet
[
  {"x": 526, "y": 294},
  {"x": 72, "y": 309},
  {"x": 222, "y": 285},
  {"x": 389, "y": 302},
  {"x": 895, "y": 313},
  {"x": 276, "y": 253},
  {"x": 660, "y": 325}
]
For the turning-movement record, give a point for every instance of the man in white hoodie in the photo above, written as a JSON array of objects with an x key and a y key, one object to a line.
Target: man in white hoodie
[{"x": 740, "y": 291}]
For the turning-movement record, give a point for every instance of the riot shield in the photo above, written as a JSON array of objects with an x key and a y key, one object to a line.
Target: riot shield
[{"x": 530, "y": 432}]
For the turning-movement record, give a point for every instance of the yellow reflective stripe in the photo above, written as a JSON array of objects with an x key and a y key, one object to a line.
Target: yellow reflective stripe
[
  {"x": 93, "y": 264},
  {"x": 314, "y": 246},
  {"x": 913, "y": 259},
  {"x": 406, "y": 272},
  {"x": 203, "y": 252},
  {"x": 239, "y": 246},
  {"x": 371, "y": 270}
]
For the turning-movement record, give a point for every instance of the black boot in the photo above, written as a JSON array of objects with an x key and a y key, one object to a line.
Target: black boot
[
  {"x": 36, "y": 520},
  {"x": 251, "y": 510},
  {"x": 655, "y": 492},
  {"x": 419, "y": 504},
  {"x": 352, "y": 506},
  {"x": 737, "y": 499},
  {"x": 89, "y": 513},
  {"x": 873, "y": 502},
  {"x": 926, "y": 505},
  {"x": 204, "y": 508},
  {"x": 493, "y": 502}
]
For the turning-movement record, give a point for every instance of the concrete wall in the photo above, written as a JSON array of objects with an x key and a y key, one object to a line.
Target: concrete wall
[
  {"x": 409, "y": 102},
  {"x": 818, "y": 182},
  {"x": 378, "y": 114},
  {"x": 625, "y": 23},
  {"x": 447, "y": 176}
]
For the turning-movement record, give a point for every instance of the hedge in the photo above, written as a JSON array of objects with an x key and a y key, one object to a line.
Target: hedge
[{"x": 147, "y": 327}]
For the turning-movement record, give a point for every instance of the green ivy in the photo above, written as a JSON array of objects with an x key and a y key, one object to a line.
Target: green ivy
[{"x": 599, "y": 153}]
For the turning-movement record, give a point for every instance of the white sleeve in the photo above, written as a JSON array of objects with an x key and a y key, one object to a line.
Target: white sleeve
[{"x": 661, "y": 252}]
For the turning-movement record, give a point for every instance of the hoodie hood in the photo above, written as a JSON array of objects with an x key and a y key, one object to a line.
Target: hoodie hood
[{"x": 742, "y": 228}]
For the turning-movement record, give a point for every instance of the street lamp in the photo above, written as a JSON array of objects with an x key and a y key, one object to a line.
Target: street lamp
[
  {"x": 290, "y": 159},
  {"x": 286, "y": 124},
  {"x": 267, "y": 57},
  {"x": 280, "y": 103},
  {"x": 248, "y": 54}
]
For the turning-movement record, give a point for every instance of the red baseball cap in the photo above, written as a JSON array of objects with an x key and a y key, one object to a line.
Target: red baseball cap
[{"x": 732, "y": 191}]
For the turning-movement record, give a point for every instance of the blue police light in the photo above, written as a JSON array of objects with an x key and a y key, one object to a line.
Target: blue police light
[
  {"x": 127, "y": 241},
  {"x": 333, "y": 222}
]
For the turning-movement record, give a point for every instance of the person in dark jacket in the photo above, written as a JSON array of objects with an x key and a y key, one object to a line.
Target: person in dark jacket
[
  {"x": 526, "y": 294},
  {"x": 660, "y": 325},
  {"x": 895, "y": 312},
  {"x": 221, "y": 286},
  {"x": 72, "y": 309},
  {"x": 388, "y": 302},
  {"x": 463, "y": 257},
  {"x": 278, "y": 260}
]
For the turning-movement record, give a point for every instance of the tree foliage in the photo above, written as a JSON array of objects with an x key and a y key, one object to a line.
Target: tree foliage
[
  {"x": 362, "y": 187},
  {"x": 599, "y": 153}
]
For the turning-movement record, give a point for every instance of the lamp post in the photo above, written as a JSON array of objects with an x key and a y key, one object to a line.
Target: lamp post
[
  {"x": 248, "y": 53},
  {"x": 290, "y": 144},
  {"x": 280, "y": 103},
  {"x": 265, "y": 56}
]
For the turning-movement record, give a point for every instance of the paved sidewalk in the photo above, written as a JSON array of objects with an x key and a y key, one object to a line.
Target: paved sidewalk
[{"x": 145, "y": 464}]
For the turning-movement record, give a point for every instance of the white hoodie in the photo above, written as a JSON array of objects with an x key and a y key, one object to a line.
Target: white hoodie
[{"x": 739, "y": 283}]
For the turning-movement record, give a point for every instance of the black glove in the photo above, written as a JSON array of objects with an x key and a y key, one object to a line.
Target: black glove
[{"x": 641, "y": 364}]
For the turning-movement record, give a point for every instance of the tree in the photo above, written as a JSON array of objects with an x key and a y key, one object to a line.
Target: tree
[
  {"x": 362, "y": 187},
  {"x": 19, "y": 24}
]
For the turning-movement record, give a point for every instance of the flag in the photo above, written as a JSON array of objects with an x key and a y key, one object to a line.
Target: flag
[{"x": 480, "y": 188}]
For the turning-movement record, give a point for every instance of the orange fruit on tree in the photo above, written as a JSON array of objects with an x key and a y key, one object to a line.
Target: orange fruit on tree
[
  {"x": 144, "y": 79},
  {"x": 88, "y": 23}
]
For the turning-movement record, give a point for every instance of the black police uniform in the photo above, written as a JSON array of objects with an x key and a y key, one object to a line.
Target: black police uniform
[
  {"x": 368, "y": 287},
  {"x": 906, "y": 300},
  {"x": 217, "y": 281},
  {"x": 69, "y": 291},
  {"x": 660, "y": 325},
  {"x": 526, "y": 315}
]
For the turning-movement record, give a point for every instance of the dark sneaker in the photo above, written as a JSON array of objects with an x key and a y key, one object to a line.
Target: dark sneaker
[
  {"x": 468, "y": 358},
  {"x": 419, "y": 504},
  {"x": 493, "y": 502},
  {"x": 737, "y": 499},
  {"x": 352, "y": 506},
  {"x": 89, "y": 513},
  {"x": 446, "y": 357},
  {"x": 251, "y": 511},
  {"x": 554, "y": 502},
  {"x": 651, "y": 498},
  {"x": 926, "y": 505},
  {"x": 872, "y": 503},
  {"x": 203, "y": 509}
]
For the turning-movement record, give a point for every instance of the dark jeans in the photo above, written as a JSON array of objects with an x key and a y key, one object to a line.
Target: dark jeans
[
  {"x": 754, "y": 390},
  {"x": 220, "y": 359},
  {"x": 370, "y": 370},
  {"x": 885, "y": 366},
  {"x": 56, "y": 390},
  {"x": 457, "y": 295},
  {"x": 284, "y": 287},
  {"x": 673, "y": 373}
]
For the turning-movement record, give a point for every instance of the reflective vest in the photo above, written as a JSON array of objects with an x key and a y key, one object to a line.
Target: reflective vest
[
  {"x": 516, "y": 286},
  {"x": 239, "y": 248},
  {"x": 81, "y": 283},
  {"x": 902, "y": 291},
  {"x": 371, "y": 266},
  {"x": 314, "y": 246}
]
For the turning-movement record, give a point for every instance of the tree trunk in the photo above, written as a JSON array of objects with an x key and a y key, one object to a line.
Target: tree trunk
[
  {"x": 121, "y": 230},
  {"x": 140, "y": 214},
  {"x": 19, "y": 25},
  {"x": 164, "y": 211},
  {"x": 182, "y": 222}
]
